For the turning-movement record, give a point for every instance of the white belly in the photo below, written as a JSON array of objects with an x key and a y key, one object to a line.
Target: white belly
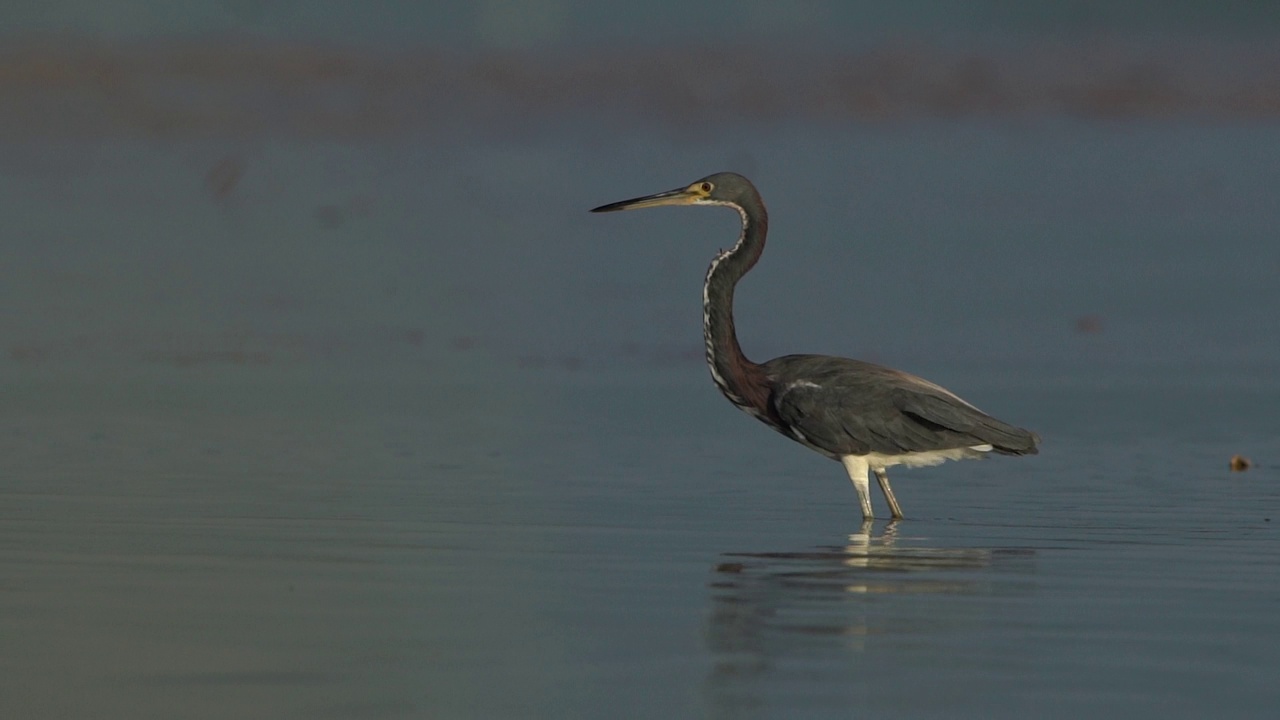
[{"x": 879, "y": 461}]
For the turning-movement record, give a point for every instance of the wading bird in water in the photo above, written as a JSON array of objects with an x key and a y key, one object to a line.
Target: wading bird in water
[{"x": 865, "y": 416}]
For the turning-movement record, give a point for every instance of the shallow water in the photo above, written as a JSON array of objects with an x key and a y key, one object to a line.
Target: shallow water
[
  {"x": 638, "y": 550},
  {"x": 387, "y": 425}
]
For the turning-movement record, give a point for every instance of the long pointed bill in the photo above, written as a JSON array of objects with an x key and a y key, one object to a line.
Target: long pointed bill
[{"x": 681, "y": 196}]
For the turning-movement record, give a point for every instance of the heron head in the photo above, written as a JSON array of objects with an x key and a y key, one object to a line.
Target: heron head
[{"x": 724, "y": 188}]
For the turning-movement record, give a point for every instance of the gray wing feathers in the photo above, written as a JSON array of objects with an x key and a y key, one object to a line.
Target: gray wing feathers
[
  {"x": 803, "y": 410},
  {"x": 956, "y": 415},
  {"x": 864, "y": 408}
]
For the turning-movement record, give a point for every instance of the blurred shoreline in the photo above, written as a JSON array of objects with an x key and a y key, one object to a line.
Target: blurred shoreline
[{"x": 235, "y": 88}]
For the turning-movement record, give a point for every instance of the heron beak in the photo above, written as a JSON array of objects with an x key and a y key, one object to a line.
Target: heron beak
[{"x": 680, "y": 196}]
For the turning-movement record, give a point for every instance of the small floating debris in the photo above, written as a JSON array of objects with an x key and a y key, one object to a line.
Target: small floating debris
[
  {"x": 1089, "y": 325},
  {"x": 1239, "y": 463}
]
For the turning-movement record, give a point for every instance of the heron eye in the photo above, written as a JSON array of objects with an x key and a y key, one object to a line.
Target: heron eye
[{"x": 706, "y": 187}]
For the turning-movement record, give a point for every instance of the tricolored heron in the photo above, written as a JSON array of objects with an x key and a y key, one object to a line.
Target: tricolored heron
[{"x": 866, "y": 416}]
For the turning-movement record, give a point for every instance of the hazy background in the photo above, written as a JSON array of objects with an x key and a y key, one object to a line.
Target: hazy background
[
  {"x": 322, "y": 395},
  {"x": 235, "y": 183}
]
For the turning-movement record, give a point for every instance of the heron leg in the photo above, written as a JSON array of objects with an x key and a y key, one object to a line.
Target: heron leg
[
  {"x": 857, "y": 468},
  {"x": 882, "y": 477}
]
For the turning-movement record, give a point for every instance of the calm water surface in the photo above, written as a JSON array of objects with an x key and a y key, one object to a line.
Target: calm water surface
[
  {"x": 629, "y": 547},
  {"x": 395, "y": 429}
]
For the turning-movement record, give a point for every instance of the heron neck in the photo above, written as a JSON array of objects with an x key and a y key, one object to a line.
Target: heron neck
[{"x": 741, "y": 380}]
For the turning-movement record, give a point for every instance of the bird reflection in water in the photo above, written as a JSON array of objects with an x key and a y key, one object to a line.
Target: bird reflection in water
[
  {"x": 865, "y": 563},
  {"x": 772, "y": 610}
]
